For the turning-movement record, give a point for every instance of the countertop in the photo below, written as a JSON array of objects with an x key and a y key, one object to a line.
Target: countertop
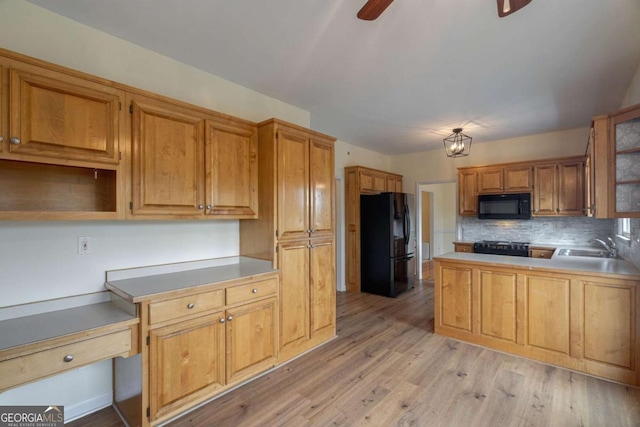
[
  {"x": 55, "y": 324},
  {"x": 607, "y": 266},
  {"x": 136, "y": 289}
]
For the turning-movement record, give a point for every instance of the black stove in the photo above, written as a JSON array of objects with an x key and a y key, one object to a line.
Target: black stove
[{"x": 496, "y": 247}]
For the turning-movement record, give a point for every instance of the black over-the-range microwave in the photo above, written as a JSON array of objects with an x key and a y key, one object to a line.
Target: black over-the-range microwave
[{"x": 504, "y": 206}]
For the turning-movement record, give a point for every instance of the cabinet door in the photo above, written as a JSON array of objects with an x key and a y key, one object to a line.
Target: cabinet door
[
  {"x": 251, "y": 339},
  {"x": 59, "y": 116},
  {"x": 366, "y": 181},
  {"x": 293, "y": 262},
  {"x": 186, "y": 363},
  {"x": 610, "y": 313},
  {"x": 168, "y": 159},
  {"x": 231, "y": 169},
  {"x": 498, "y": 305},
  {"x": 625, "y": 146},
  {"x": 4, "y": 135},
  {"x": 518, "y": 179},
  {"x": 293, "y": 184},
  {"x": 548, "y": 311},
  {"x": 455, "y": 298},
  {"x": 490, "y": 180},
  {"x": 467, "y": 193},
  {"x": 399, "y": 185},
  {"x": 545, "y": 190},
  {"x": 321, "y": 183},
  {"x": 379, "y": 182},
  {"x": 571, "y": 189},
  {"x": 322, "y": 288}
]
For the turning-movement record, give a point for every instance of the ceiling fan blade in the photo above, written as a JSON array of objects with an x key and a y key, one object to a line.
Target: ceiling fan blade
[
  {"x": 507, "y": 7},
  {"x": 373, "y": 8}
]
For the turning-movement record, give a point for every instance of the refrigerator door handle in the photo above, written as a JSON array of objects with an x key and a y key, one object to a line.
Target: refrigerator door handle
[{"x": 407, "y": 225}]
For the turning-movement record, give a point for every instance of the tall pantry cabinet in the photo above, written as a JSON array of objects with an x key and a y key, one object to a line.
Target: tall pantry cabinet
[{"x": 295, "y": 230}]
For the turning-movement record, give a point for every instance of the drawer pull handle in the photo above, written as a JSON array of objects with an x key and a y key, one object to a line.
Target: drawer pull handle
[
  {"x": 254, "y": 290},
  {"x": 230, "y": 318},
  {"x": 191, "y": 305},
  {"x": 68, "y": 358}
]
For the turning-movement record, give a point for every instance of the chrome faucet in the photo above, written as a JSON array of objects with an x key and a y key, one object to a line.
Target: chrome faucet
[{"x": 612, "y": 248}]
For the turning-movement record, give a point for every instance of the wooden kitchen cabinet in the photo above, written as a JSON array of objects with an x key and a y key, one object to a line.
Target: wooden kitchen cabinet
[
  {"x": 231, "y": 169},
  {"x": 186, "y": 362},
  {"x": 186, "y": 164},
  {"x": 199, "y": 342},
  {"x": 59, "y": 143},
  {"x": 463, "y": 247},
  {"x": 305, "y": 184},
  {"x": 295, "y": 230},
  {"x": 467, "y": 192},
  {"x": 54, "y": 115},
  {"x": 495, "y": 180},
  {"x": 167, "y": 158},
  {"x": 584, "y": 321},
  {"x": 251, "y": 339},
  {"x": 310, "y": 315},
  {"x": 559, "y": 188},
  {"x": 597, "y": 166},
  {"x": 625, "y": 153},
  {"x": 360, "y": 180}
]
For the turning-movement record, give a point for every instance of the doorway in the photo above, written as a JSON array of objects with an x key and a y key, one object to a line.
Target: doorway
[{"x": 436, "y": 222}]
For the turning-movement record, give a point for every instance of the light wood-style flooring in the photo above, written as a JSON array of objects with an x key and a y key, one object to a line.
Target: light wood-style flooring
[{"x": 387, "y": 368}]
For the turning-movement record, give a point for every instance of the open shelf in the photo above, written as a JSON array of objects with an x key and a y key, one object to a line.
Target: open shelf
[{"x": 44, "y": 188}]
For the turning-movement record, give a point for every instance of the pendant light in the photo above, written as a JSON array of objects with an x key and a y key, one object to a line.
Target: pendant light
[{"x": 457, "y": 144}]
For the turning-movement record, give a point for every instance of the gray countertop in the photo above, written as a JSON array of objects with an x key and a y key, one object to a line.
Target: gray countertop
[
  {"x": 41, "y": 327},
  {"x": 137, "y": 289},
  {"x": 608, "y": 266}
]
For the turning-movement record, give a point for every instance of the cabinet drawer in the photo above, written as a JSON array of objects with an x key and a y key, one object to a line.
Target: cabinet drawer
[
  {"x": 251, "y": 291},
  {"x": 48, "y": 362},
  {"x": 542, "y": 253},
  {"x": 185, "y": 306}
]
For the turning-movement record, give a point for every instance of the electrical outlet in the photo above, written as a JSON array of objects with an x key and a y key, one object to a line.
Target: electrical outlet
[{"x": 84, "y": 245}]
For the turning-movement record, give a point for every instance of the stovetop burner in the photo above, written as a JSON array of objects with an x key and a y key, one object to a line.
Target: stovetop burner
[{"x": 498, "y": 247}]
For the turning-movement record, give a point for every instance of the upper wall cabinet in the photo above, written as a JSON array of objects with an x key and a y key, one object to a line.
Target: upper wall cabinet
[
  {"x": 467, "y": 192},
  {"x": 597, "y": 167},
  {"x": 231, "y": 169},
  {"x": 167, "y": 158},
  {"x": 188, "y": 164},
  {"x": 504, "y": 179},
  {"x": 55, "y": 115},
  {"x": 625, "y": 147}
]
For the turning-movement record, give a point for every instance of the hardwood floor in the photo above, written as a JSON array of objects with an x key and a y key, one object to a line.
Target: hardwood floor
[{"x": 387, "y": 368}]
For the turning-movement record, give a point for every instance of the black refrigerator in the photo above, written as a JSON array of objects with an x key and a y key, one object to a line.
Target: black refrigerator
[{"x": 386, "y": 243}]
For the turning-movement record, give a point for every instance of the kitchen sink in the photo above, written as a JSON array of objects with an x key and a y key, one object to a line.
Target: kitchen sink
[{"x": 582, "y": 252}]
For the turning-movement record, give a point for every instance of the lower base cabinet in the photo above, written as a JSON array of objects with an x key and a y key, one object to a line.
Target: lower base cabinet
[
  {"x": 199, "y": 344},
  {"x": 588, "y": 323}
]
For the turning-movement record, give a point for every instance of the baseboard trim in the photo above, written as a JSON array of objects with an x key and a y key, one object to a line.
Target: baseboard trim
[{"x": 87, "y": 407}]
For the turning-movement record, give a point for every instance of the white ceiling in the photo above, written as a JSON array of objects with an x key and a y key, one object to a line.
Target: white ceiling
[{"x": 399, "y": 84}]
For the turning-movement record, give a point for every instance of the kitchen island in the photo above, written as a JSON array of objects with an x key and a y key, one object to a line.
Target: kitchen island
[{"x": 574, "y": 312}]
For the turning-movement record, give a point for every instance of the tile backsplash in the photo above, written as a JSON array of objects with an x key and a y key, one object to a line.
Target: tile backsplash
[
  {"x": 566, "y": 230},
  {"x": 630, "y": 250}
]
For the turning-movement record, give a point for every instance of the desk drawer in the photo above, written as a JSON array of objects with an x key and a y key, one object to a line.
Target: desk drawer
[
  {"x": 38, "y": 365},
  {"x": 185, "y": 306},
  {"x": 251, "y": 291}
]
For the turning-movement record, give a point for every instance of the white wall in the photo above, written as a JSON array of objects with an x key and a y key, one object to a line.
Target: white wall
[
  {"x": 38, "y": 260},
  {"x": 434, "y": 165},
  {"x": 633, "y": 93}
]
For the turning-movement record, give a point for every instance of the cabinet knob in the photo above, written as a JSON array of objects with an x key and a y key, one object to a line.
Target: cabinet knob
[
  {"x": 208, "y": 207},
  {"x": 230, "y": 318},
  {"x": 222, "y": 320},
  {"x": 190, "y": 305},
  {"x": 15, "y": 141},
  {"x": 1, "y": 138},
  {"x": 68, "y": 358},
  {"x": 541, "y": 256},
  {"x": 559, "y": 210},
  {"x": 254, "y": 290},
  {"x": 313, "y": 231},
  {"x": 200, "y": 206},
  {"x": 308, "y": 230}
]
